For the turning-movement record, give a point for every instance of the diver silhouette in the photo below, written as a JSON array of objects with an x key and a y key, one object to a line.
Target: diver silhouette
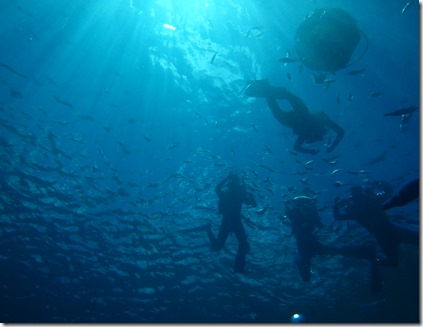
[
  {"x": 310, "y": 127},
  {"x": 303, "y": 214},
  {"x": 365, "y": 205},
  {"x": 232, "y": 194}
]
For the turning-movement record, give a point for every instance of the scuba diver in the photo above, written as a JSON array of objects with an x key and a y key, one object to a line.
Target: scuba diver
[
  {"x": 304, "y": 217},
  {"x": 406, "y": 194},
  {"x": 310, "y": 127},
  {"x": 365, "y": 205},
  {"x": 232, "y": 194}
]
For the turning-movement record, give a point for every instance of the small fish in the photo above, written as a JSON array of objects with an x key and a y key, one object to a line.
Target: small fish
[
  {"x": 308, "y": 163},
  {"x": 214, "y": 57},
  {"x": 287, "y": 60},
  {"x": 338, "y": 101},
  {"x": 356, "y": 72},
  {"x": 375, "y": 94},
  {"x": 407, "y": 6},
  {"x": 335, "y": 171},
  {"x": 331, "y": 161},
  {"x": 146, "y": 138},
  {"x": 350, "y": 96}
]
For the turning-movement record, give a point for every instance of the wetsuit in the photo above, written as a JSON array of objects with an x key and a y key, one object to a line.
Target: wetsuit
[{"x": 232, "y": 195}]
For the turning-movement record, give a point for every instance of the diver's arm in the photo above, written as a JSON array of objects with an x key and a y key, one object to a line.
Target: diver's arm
[
  {"x": 339, "y": 133},
  {"x": 298, "y": 146}
]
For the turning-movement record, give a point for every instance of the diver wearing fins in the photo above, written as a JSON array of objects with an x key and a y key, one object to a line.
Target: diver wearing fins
[
  {"x": 232, "y": 194},
  {"x": 365, "y": 205},
  {"x": 304, "y": 217},
  {"x": 310, "y": 127}
]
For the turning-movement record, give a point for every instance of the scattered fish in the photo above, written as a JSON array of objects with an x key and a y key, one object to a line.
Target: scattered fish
[
  {"x": 375, "y": 94},
  {"x": 338, "y": 184}
]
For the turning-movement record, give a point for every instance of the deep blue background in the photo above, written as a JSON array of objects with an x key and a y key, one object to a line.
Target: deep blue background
[{"x": 115, "y": 130}]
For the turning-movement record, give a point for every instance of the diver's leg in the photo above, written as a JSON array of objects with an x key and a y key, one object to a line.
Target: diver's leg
[
  {"x": 285, "y": 118},
  {"x": 305, "y": 253},
  {"x": 217, "y": 243},
  {"x": 243, "y": 248},
  {"x": 304, "y": 263},
  {"x": 296, "y": 103}
]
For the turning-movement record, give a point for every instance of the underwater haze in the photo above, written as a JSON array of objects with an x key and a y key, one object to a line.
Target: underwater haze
[{"x": 119, "y": 117}]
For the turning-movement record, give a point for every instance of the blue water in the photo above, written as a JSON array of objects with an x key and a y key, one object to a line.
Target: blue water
[{"x": 115, "y": 130}]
